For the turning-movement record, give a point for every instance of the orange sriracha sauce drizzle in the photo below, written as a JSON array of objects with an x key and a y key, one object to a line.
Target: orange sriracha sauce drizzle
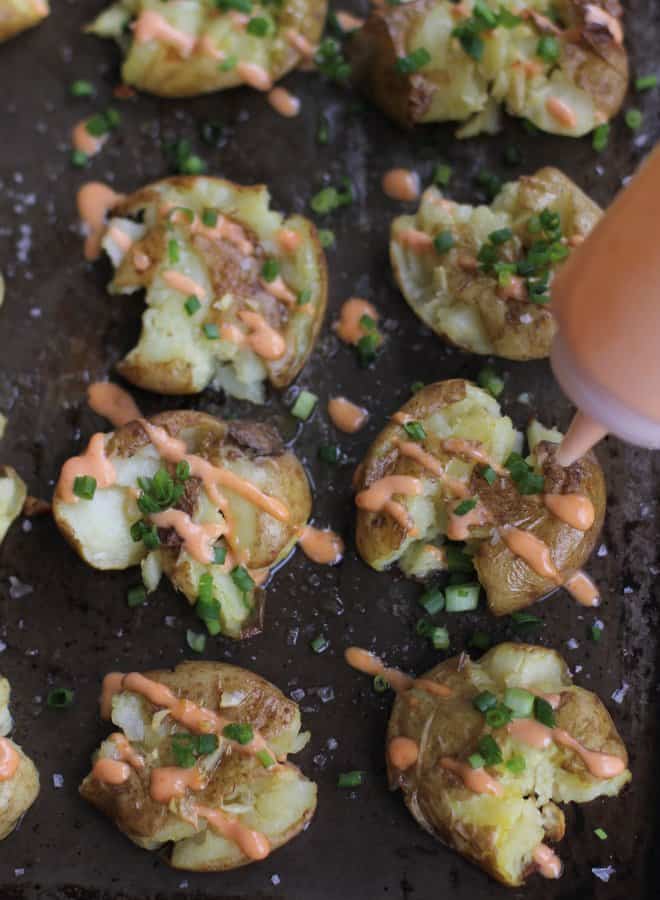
[{"x": 167, "y": 783}]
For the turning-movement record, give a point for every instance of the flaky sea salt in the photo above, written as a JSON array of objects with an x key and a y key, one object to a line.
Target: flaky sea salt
[
  {"x": 604, "y": 873},
  {"x": 18, "y": 588},
  {"x": 58, "y": 780},
  {"x": 620, "y": 693}
]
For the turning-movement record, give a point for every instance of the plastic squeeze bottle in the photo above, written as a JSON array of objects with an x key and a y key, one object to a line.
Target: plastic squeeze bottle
[{"x": 606, "y": 298}]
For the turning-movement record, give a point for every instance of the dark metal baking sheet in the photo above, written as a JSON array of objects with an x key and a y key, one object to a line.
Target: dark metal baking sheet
[{"x": 60, "y": 330}]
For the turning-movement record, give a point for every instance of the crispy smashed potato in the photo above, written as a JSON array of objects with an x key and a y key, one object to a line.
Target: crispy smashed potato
[
  {"x": 478, "y": 304},
  {"x": 501, "y": 831},
  {"x": 18, "y": 791},
  {"x": 102, "y": 530},
  {"x": 205, "y": 251},
  {"x": 465, "y": 433},
  {"x": 17, "y": 15},
  {"x": 12, "y": 497},
  {"x": 277, "y": 801},
  {"x": 189, "y": 48},
  {"x": 436, "y": 61}
]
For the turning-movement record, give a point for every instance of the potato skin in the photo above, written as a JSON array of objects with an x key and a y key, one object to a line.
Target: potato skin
[
  {"x": 247, "y": 206},
  {"x": 18, "y": 793},
  {"x": 451, "y": 726},
  {"x": 17, "y": 15},
  {"x": 147, "y": 822},
  {"x": 507, "y": 327},
  {"x": 510, "y": 584},
  {"x": 591, "y": 60}
]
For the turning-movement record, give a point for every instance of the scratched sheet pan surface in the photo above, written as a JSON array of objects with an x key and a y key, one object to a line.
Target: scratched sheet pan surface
[{"x": 61, "y": 330}]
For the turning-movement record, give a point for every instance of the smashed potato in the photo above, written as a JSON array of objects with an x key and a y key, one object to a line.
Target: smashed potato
[
  {"x": 437, "y": 61},
  {"x": 17, "y": 15},
  {"x": 448, "y": 467},
  {"x": 479, "y": 276},
  {"x": 13, "y": 493},
  {"x": 19, "y": 779},
  {"x": 235, "y": 293},
  {"x": 485, "y": 777},
  {"x": 221, "y": 793},
  {"x": 191, "y": 47},
  {"x": 241, "y": 539}
]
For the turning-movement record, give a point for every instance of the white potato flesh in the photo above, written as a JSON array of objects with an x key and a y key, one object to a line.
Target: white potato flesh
[
  {"x": 17, "y": 15},
  {"x": 12, "y": 497},
  {"x": 18, "y": 793}
]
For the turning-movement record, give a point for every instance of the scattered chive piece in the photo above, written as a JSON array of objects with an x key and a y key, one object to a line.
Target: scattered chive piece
[
  {"x": 415, "y": 431},
  {"x": 241, "y": 732},
  {"x": 265, "y": 759},
  {"x": 192, "y": 165},
  {"x": 82, "y": 88},
  {"x": 79, "y": 159},
  {"x": 304, "y": 405},
  {"x": 244, "y": 6},
  {"x": 600, "y": 833},
  {"x": 548, "y": 48},
  {"x": 490, "y": 381},
  {"x": 320, "y": 644},
  {"x": 210, "y": 330},
  {"x": 413, "y": 62},
  {"x": 543, "y": 712},
  {"x": 210, "y": 217},
  {"x": 522, "y": 621},
  {"x": 490, "y": 750},
  {"x": 159, "y": 492},
  {"x": 242, "y": 579},
  {"x": 442, "y": 174},
  {"x": 136, "y": 595},
  {"x": 191, "y": 305},
  {"x": 488, "y": 474},
  {"x": 443, "y": 242},
  {"x": 195, "y": 640},
  {"x": 596, "y": 632},
  {"x": 601, "y": 137},
  {"x": 259, "y": 27},
  {"x": 432, "y": 600},
  {"x": 520, "y": 702},
  {"x": 490, "y": 182},
  {"x": 480, "y": 640},
  {"x": 646, "y": 82},
  {"x": 304, "y": 296},
  {"x": 465, "y": 506},
  {"x": 484, "y": 701},
  {"x": 59, "y": 698},
  {"x": 326, "y": 238},
  {"x": 439, "y": 637},
  {"x": 367, "y": 322},
  {"x": 500, "y": 236},
  {"x": 367, "y": 348},
  {"x": 207, "y": 607},
  {"x": 516, "y": 763},
  {"x": 526, "y": 480},
  {"x": 416, "y": 386},
  {"x": 381, "y": 684},
  {"x": 173, "y": 251},
  {"x": 228, "y": 64},
  {"x": 476, "y": 761},
  {"x": 323, "y": 130},
  {"x": 634, "y": 119},
  {"x": 423, "y": 627},
  {"x": 350, "y": 779},
  {"x": 219, "y": 555},
  {"x": 461, "y": 597},
  {"x": 148, "y": 534},
  {"x": 330, "y": 60},
  {"x": 270, "y": 270},
  {"x": 182, "y": 470},
  {"x": 84, "y": 486},
  {"x": 498, "y": 716},
  {"x": 329, "y": 453},
  {"x": 458, "y": 560},
  {"x": 330, "y": 198}
]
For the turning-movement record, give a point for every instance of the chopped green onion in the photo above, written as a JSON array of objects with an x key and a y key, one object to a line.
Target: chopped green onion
[
  {"x": 439, "y": 637},
  {"x": 464, "y": 507},
  {"x": 196, "y": 641},
  {"x": 367, "y": 348},
  {"x": 259, "y": 27},
  {"x": 59, "y": 698},
  {"x": 304, "y": 296},
  {"x": 484, "y": 701},
  {"x": 330, "y": 61},
  {"x": 207, "y": 607},
  {"x": 490, "y": 750},
  {"x": 423, "y": 627},
  {"x": 210, "y": 330},
  {"x": 265, "y": 759},
  {"x": 173, "y": 251},
  {"x": 601, "y": 136},
  {"x": 415, "y": 431},
  {"x": 228, "y": 64},
  {"x": 480, "y": 640},
  {"x": 433, "y": 601},
  {"x": 488, "y": 474},
  {"x": 84, "y": 486},
  {"x": 242, "y": 579},
  {"x": 329, "y": 453},
  {"x": 461, "y": 597},
  {"x": 476, "y": 761},
  {"x": 191, "y": 305},
  {"x": 458, "y": 560},
  {"x": 326, "y": 238},
  {"x": 136, "y": 595},
  {"x": 320, "y": 644},
  {"x": 270, "y": 270},
  {"x": 413, "y": 62},
  {"x": 350, "y": 779},
  {"x": 210, "y": 217},
  {"x": 500, "y": 236},
  {"x": 182, "y": 470},
  {"x": 416, "y": 387},
  {"x": 219, "y": 555},
  {"x": 381, "y": 684},
  {"x": 646, "y": 82},
  {"x": 241, "y": 732},
  {"x": 596, "y": 632},
  {"x": 634, "y": 119},
  {"x": 244, "y": 6},
  {"x": 516, "y": 764},
  {"x": 520, "y": 702},
  {"x": 79, "y": 159},
  {"x": 490, "y": 182},
  {"x": 192, "y": 165},
  {"x": 330, "y": 198},
  {"x": 526, "y": 480},
  {"x": 498, "y": 716},
  {"x": 600, "y": 833},
  {"x": 443, "y": 242},
  {"x": 323, "y": 130},
  {"x": 304, "y": 405},
  {"x": 548, "y": 48},
  {"x": 522, "y": 621},
  {"x": 543, "y": 712},
  {"x": 82, "y": 88},
  {"x": 442, "y": 174},
  {"x": 490, "y": 381}
]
